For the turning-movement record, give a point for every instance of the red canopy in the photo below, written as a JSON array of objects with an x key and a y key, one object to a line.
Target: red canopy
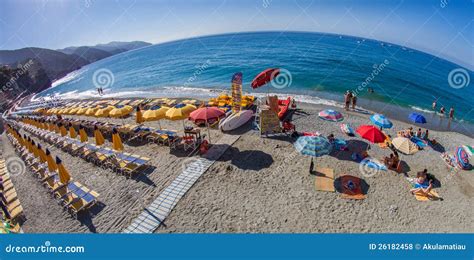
[
  {"x": 264, "y": 77},
  {"x": 371, "y": 133},
  {"x": 206, "y": 114}
]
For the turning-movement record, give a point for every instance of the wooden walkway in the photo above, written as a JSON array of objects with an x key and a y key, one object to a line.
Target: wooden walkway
[{"x": 152, "y": 217}]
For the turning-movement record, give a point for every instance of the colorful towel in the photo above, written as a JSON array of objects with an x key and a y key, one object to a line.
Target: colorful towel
[
  {"x": 324, "y": 180},
  {"x": 351, "y": 188}
]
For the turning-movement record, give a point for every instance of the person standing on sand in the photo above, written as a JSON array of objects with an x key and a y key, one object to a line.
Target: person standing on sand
[
  {"x": 354, "y": 101},
  {"x": 451, "y": 113},
  {"x": 347, "y": 99}
]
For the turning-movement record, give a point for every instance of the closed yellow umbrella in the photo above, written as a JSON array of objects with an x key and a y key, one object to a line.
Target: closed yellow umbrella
[
  {"x": 51, "y": 163},
  {"x": 51, "y": 126},
  {"x": 64, "y": 176},
  {"x": 73, "y": 111},
  {"x": 99, "y": 139},
  {"x": 72, "y": 131},
  {"x": 116, "y": 141},
  {"x": 42, "y": 154},
  {"x": 62, "y": 130},
  {"x": 34, "y": 149},
  {"x": 404, "y": 145},
  {"x": 139, "y": 117},
  {"x": 83, "y": 134}
]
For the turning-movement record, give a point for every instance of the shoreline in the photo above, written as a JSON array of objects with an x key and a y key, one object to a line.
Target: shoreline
[{"x": 434, "y": 121}]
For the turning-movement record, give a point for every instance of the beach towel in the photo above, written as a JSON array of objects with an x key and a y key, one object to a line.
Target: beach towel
[
  {"x": 420, "y": 196},
  {"x": 433, "y": 195},
  {"x": 369, "y": 162},
  {"x": 351, "y": 188},
  {"x": 324, "y": 180},
  {"x": 347, "y": 129},
  {"x": 340, "y": 144},
  {"x": 419, "y": 142}
]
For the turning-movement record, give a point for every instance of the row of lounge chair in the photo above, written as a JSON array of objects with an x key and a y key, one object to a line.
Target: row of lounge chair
[
  {"x": 11, "y": 208},
  {"x": 124, "y": 163},
  {"x": 73, "y": 196}
]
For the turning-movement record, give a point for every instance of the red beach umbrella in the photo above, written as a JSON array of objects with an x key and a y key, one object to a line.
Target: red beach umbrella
[
  {"x": 264, "y": 77},
  {"x": 206, "y": 114},
  {"x": 371, "y": 133}
]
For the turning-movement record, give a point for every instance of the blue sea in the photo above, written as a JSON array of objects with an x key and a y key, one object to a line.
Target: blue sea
[{"x": 316, "y": 68}]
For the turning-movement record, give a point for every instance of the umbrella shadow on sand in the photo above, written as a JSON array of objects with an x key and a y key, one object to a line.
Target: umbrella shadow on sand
[
  {"x": 437, "y": 147},
  {"x": 353, "y": 146},
  {"x": 247, "y": 160}
]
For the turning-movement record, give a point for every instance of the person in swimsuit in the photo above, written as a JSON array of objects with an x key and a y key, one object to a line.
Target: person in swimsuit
[{"x": 422, "y": 184}]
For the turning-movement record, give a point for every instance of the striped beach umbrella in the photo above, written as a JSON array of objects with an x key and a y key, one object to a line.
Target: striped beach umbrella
[
  {"x": 404, "y": 145},
  {"x": 381, "y": 120},
  {"x": 315, "y": 146},
  {"x": 331, "y": 115}
]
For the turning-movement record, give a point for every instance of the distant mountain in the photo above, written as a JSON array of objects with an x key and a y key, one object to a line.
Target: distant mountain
[
  {"x": 118, "y": 47},
  {"x": 88, "y": 53},
  {"x": 55, "y": 63},
  {"x": 31, "y": 70}
]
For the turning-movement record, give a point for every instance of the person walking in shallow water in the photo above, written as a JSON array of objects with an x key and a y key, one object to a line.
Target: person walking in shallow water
[
  {"x": 441, "y": 110},
  {"x": 354, "y": 102},
  {"x": 451, "y": 113},
  {"x": 347, "y": 99},
  {"x": 434, "y": 105}
]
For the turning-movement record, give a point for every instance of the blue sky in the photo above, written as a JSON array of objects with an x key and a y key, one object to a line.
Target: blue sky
[{"x": 443, "y": 28}]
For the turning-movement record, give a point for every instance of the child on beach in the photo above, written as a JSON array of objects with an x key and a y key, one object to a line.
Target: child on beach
[{"x": 422, "y": 184}]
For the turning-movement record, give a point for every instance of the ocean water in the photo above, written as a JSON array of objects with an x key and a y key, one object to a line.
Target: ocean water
[{"x": 316, "y": 68}]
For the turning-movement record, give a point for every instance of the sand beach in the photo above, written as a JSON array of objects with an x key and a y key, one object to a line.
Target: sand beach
[{"x": 260, "y": 185}]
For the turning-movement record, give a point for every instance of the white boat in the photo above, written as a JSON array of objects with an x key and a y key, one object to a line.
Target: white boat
[{"x": 235, "y": 120}]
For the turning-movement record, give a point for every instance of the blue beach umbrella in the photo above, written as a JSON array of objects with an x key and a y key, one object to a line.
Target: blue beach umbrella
[
  {"x": 417, "y": 118},
  {"x": 315, "y": 146},
  {"x": 381, "y": 121}
]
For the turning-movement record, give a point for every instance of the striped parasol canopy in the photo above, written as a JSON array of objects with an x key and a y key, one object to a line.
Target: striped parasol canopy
[
  {"x": 404, "y": 145},
  {"x": 381, "y": 121},
  {"x": 331, "y": 115},
  {"x": 315, "y": 146}
]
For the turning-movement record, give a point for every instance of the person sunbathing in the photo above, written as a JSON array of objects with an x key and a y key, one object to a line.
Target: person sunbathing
[
  {"x": 331, "y": 138},
  {"x": 422, "y": 184}
]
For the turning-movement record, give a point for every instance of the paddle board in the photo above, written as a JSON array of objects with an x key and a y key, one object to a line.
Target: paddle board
[{"x": 235, "y": 120}]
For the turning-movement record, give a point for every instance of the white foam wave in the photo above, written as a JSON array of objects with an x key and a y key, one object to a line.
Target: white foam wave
[
  {"x": 422, "y": 109},
  {"x": 70, "y": 77}
]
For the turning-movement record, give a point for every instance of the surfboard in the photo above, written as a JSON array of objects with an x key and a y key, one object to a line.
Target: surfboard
[{"x": 235, "y": 120}]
